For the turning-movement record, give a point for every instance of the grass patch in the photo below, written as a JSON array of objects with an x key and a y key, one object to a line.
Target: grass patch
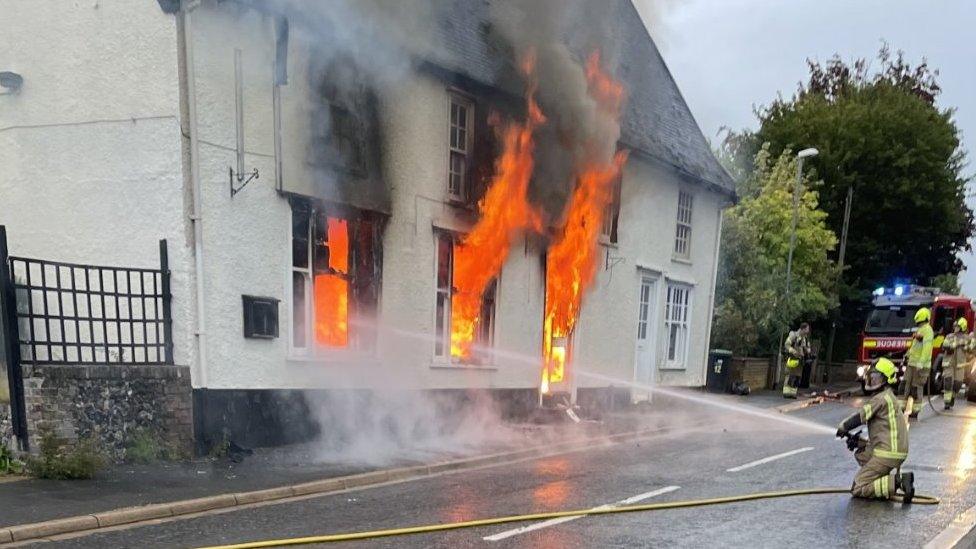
[
  {"x": 146, "y": 446},
  {"x": 143, "y": 447},
  {"x": 60, "y": 460},
  {"x": 9, "y": 465}
]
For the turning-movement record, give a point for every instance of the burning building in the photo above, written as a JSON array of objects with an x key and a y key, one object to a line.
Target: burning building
[{"x": 474, "y": 196}]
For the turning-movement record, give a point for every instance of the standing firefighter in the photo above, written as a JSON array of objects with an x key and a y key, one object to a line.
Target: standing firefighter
[
  {"x": 797, "y": 350},
  {"x": 881, "y": 455},
  {"x": 919, "y": 362},
  {"x": 955, "y": 347}
]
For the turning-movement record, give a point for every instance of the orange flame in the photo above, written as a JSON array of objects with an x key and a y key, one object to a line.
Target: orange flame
[
  {"x": 571, "y": 264},
  {"x": 332, "y": 289},
  {"x": 505, "y": 214}
]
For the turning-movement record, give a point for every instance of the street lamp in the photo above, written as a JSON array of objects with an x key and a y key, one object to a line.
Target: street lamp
[{"x": 805, "y": 153}]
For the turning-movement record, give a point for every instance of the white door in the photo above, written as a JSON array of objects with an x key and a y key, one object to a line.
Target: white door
[{"x": 646, "y": 331}]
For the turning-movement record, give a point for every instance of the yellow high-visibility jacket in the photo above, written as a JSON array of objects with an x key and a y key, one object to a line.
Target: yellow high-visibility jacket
[{"x": 920, "y": 353}]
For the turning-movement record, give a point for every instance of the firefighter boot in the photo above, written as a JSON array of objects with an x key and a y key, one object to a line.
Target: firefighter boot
[{"x": 906, "y": 483}]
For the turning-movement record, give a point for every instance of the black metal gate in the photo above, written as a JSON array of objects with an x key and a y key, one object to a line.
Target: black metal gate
[{"x": 69, "y": 313}]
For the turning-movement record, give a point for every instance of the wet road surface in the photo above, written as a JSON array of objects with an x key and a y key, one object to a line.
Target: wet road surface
[{"x": 687, "y": 463}]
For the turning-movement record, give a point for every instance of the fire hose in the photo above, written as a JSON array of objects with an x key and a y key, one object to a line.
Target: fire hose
[{"x": 353, "y": 536}]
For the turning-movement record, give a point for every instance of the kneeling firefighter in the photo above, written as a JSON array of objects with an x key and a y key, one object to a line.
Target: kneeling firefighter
[
  {"x": 798, "y": 351},
  {"x": 919, "y": 358},
  {"x": 956, "y": 346},
  {"x": 881, "y": 455}
]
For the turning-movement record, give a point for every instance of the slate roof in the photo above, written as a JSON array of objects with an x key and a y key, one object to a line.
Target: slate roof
[{"x": 657, "y": 121}]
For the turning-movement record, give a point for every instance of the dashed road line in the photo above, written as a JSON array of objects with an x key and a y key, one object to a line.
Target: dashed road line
[
  {"x": 553, "y": 522},
  {"x": 768, "y": 459}
]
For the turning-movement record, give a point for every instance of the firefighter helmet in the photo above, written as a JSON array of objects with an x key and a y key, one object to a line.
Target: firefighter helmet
[
  {"x": 962, "y": 324},
  {"x": 882, "y": 372},
  {"x": 922, "y": 315}
]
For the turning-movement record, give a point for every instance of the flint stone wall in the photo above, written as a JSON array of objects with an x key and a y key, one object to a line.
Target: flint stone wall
[{"x": 109, "y": 403}]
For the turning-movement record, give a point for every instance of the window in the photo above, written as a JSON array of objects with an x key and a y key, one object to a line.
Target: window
[
  {"x": 676, "y": 314},
  {"x": 445, "y": 291},
  {"x": 335, "y": 274},
  {"x": 348, "y": 139},
  {"x": 682, "y": 238},
  {"x": 611, "y": 215},
  {"x": 460, "y": 148}
]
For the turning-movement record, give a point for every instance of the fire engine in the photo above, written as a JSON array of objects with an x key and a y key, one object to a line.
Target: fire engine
[{"x": 890, "y": 325}]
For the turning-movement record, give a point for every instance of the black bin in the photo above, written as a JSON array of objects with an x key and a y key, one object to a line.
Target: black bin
[{"x": 718, "y": 379}]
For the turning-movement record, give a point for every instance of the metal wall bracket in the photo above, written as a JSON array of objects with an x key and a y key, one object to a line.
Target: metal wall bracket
[{"x": 242, "y": 180}]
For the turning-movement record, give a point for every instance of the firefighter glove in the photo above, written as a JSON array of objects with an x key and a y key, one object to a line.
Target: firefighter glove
[{"x": 850, "y": 424}]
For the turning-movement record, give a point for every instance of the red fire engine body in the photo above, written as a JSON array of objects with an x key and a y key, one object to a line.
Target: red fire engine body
[{"x": 890, "y": 325}]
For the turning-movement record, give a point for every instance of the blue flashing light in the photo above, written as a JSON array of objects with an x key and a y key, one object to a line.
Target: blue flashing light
[
  {"x": 879, "y": 291},
  {"x": 899, "y": 290}
]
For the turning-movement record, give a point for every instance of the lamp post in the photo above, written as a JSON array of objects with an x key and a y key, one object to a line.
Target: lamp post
[{"x": 805, "y": 153}]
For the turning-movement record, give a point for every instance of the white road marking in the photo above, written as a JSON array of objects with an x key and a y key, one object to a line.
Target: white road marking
[
  {"x": 561, "y": 520},
  {"x": 957, "y": 529},
  {"x": 768, "y": 459}
]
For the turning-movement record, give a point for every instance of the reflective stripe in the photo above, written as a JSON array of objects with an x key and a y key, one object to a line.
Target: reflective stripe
[
  {"x": 877, "y": 487},
  {"x": 892, "y": 422},
  {"x": 890, "y": 455},
  {"x": 868, "y": 412}
]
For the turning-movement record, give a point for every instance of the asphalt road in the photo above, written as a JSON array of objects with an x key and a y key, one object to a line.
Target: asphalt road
[{"x": 687, "y": 463}]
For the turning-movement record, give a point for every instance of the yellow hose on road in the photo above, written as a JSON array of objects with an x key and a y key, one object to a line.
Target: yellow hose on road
[{"x": 352, "y": 536}]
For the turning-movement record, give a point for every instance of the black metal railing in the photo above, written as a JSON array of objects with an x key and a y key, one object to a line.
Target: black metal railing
[{"x": 70, "y": 313}]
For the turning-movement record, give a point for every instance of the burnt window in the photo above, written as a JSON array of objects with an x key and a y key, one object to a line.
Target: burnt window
[
  {"x": 348, "y": 139},
  {"x": 611, "y": 215},
  {"x": 446, "y": 248},
  {"x": 260, "y": 317},
  {"x": 335, "y": 276},
  {"x": 459, "y": 140},
  {"x": 340, "y": 122}
]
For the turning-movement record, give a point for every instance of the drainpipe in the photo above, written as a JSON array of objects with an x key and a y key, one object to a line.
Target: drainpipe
[
  {"x": 196, "y": 217},
  {"x": 711, "y": 297}
]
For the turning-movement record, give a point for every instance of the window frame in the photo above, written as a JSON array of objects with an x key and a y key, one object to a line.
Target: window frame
[
  {"x": 461, "y": 100},
  {"x": 359, "y": 344},
  {"x": 684, "y": 220},
  {"x": 442, "y": 334},
  {"x": 611, "y": 216},
  {"x": 680, "y": 322}
]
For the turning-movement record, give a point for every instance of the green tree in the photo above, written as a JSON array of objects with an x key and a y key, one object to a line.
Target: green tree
[
  {"x": 948, "y": 283},
  {"x": 752, "y": 308},
  {"x": 883, "y": 135}
]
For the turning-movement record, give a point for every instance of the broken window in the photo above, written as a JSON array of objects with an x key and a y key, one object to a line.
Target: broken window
[
  {"x": 335, "y": 274},
  {"x": 348, "y": 139},
  {"x": 446, "y": 247},
  {"x": 460, "y": 139},
  {"x": 611, "y": 215}
]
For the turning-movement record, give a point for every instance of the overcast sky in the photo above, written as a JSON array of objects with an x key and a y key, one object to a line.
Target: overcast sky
[{"x": 728, "y": 55}]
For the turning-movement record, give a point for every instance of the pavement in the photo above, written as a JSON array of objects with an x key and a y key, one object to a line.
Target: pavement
[
  {"x": 709, "y": 451},
  {"x": 137, "y": 485}
]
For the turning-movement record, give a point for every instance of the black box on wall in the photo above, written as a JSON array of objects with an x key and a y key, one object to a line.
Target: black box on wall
[{"x": 260, "y": 317}]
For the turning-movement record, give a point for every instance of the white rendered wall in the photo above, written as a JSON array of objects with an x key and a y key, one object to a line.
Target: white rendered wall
[
  {"x": 90, "y": 147},
  {"x": 606, "y": 336}
]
